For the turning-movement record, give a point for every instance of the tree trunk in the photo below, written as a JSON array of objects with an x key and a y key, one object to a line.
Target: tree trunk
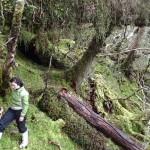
[
  {"x": 11, "y": 46},
  {"x": 82, "y": 68},
  {"x": 97, "y": 121},
  {"x": 2, "y": 15}
]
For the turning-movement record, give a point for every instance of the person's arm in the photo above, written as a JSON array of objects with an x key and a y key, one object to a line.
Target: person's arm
[{"x": 25, "y": 105}]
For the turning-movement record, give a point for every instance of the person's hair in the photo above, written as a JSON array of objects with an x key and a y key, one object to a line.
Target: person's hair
[{"x": 17, "y": 81}]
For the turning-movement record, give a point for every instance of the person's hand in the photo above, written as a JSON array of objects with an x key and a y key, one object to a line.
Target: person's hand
[{"x": 21, "y": 118}]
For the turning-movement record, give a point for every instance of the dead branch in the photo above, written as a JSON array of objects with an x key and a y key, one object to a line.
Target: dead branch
[
  {"x": 124, "y": 51},
  {"x": 140, "y": 83},
  {"x": 142, "y": 100},
  {"x": 133, "y": 94},
  {"x": 5, "y": 44},
  {"x": 127, "y": 98},
  {"x": 47, "y": 73},
  {"x": 55, "y": 143},
  {"x": 98, "y": 122}
]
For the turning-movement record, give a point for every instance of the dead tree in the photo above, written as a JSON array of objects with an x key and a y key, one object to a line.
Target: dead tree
[{"x": 97, "y": 121}]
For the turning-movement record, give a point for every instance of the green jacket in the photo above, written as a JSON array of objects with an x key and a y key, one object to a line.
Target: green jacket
[{"x": 20, "y": 100}]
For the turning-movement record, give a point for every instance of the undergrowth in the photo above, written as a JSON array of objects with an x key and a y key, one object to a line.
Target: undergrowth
[{"x": 42, "y": 130}]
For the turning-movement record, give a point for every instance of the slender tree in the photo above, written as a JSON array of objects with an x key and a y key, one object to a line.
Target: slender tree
[
  {"x": 11, "y": 45},
  {"x": 105, "y": 16},
  {"x": 98, "y": 13},
  {"x": 2, "y": 13}
]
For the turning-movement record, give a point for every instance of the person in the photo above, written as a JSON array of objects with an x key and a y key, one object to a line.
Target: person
[{"x": 18, "y": 109}]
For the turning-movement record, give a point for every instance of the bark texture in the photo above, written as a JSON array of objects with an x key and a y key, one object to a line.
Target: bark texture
[
  {"x": 82, "y": 68},
  {"x": 11, "y": 45},
  {"x": 97, "y": 121}
]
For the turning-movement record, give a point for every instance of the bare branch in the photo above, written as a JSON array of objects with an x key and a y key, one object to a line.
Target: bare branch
[
  {"x": 55, "y": 143},
  {"x": 142, "y": 100},
  {"x": 127, "y": 98},
  {"x": 126, "y": 51},
  {"x": 140, "y": 82},
  {"x": 2, "y": 49},
  {"x": 7, "y": 41}
]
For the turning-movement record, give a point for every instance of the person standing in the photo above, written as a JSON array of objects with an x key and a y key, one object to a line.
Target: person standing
[{"x": 17, "y": 110}]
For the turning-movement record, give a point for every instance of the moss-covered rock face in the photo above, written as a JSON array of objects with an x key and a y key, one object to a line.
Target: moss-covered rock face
[
  {"x": 41, "y": 47},
  {"x": 26, "y": 37},
  {"x": 115, "y": 99},
  {"x": 141, "y": 63},
  {"x": 75, "y": 126}
]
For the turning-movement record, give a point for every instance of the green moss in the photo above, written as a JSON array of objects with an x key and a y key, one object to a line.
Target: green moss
[
  {"x": 75, "y": 127},
  {"x": 111, "y": 85},
  {"x": 57, "y": 78},
  {"x": 112, "y": 146},
  {"x": 41, "y": 130},
  {"x": 65, "y": 44},
  {"x": 42, "y": 43},
  {"x": 26, "y": 37},
  {"x": 30, "y": 73},
  {"x": 2, "y": 48},
  {"x": 2, "y": 38}
]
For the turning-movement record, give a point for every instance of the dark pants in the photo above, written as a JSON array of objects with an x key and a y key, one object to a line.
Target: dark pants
[{"x": 9, "y": 116}]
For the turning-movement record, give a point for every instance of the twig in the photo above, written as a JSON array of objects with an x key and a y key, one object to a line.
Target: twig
[
  {"x": 47, "y": 73},
  {"x": 126, "y": 98},
  {"x": 141, "y": 100},
  {"x": 141, "y": 85},
  {"x": 55, "y": 143},
  {"x": 33, "y": 16},
  {"x": 125, "y": 51},
  {"x": 7, "y": 42},
  {"x": 2, "y": 50},
  {"x": 131, "y": 94},
  {"x": 125, "y": 31}
]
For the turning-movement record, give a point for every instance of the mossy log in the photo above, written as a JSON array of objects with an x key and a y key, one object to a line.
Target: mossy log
[
  {"x": 86, "y": 136},
  {"x": 105, "y": 127}
]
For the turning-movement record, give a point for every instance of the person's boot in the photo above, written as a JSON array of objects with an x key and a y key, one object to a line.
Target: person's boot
[
  {"x": 24, "y": 140},
  {"x": 1, "y": 135}
]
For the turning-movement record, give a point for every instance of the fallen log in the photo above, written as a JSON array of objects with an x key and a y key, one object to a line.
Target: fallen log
[{"x": 100, "y": 123}]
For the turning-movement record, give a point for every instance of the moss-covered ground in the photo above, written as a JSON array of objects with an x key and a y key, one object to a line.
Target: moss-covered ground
[
  {"x": 111, "y": 85},
  {"x": 42, "y": 129}
]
